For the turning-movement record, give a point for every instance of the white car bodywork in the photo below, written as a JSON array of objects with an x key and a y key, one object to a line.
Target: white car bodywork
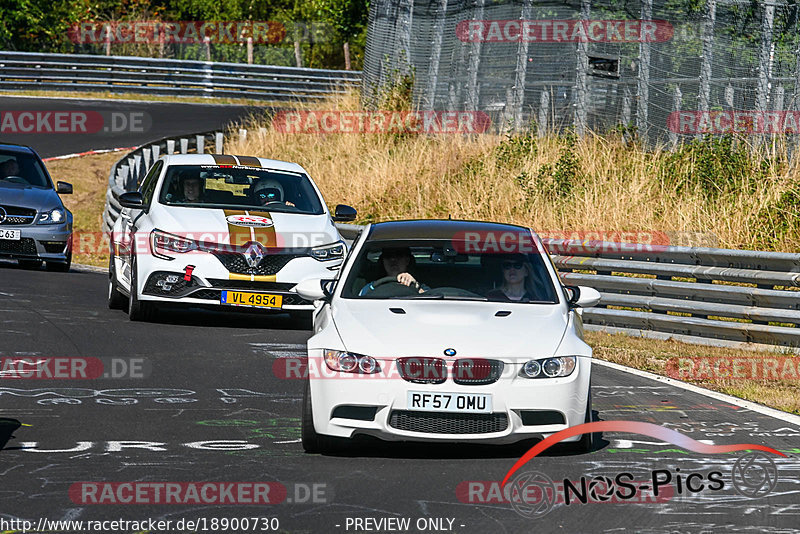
[
  {"x": 390, "y": 329},
  {"x": 132, "y": 248}
]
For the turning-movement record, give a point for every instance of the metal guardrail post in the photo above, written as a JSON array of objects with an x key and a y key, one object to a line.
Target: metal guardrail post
[
  {"x": 218, "y": 146},
  {"x": 200, "y": 143},
  {"x": 184, "y": 145}
]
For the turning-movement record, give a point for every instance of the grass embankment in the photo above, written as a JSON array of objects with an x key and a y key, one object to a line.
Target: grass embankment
[
  {"x": 89, "y": 178},
  {"x": 719, "y": 190},
  {"x": 718, "y": 193}
]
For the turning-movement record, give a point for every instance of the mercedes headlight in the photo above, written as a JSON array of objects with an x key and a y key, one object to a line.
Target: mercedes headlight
[{"x": 54, "y": 216}]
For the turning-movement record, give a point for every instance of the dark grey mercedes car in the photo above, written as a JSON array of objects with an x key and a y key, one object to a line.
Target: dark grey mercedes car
[{"x": 35, "y": 226}]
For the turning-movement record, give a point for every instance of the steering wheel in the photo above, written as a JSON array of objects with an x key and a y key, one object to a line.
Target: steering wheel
[
  {"x": 16, "y": 179},
  {"x": 385, "y": 280}
]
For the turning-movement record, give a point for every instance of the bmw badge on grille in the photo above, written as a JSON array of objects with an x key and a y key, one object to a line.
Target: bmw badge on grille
[{"x": 449, "y": 352}]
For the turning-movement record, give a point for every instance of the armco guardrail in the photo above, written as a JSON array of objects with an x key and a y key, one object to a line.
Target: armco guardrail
[
  {"x": 695, "y": 294},
  {"x": 76, "y": 72},
  {"x": 723, "y": 297}
]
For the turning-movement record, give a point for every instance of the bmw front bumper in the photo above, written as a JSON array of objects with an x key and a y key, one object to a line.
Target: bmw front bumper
[{"x": 522, "y": 408}]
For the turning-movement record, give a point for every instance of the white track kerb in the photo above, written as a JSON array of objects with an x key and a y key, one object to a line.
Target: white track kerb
[{"x": 758, "y": 408}]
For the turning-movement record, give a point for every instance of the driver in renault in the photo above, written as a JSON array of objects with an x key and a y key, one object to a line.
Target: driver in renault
[
  {"x": 396, "y": 263},
  {"x": 269, "y": 191}
]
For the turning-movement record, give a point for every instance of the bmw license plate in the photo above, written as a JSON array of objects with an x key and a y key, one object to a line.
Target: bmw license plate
[
  {"x": 11, "y": 235},
  {"x": 255, "y": 300},
  {"x": 449, "y": 402}
]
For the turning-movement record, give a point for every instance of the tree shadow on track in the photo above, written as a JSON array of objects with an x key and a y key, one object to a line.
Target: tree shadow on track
[{"x": 230, "y": 319}]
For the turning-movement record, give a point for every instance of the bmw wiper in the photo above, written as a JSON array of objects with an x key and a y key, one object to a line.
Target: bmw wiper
[{"x": 446, "y": 297}]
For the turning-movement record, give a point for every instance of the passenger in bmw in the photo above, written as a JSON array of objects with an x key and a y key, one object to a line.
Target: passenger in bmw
[
  {"x": 518, "y": 281},
  {"x": 396, "y": 263}
]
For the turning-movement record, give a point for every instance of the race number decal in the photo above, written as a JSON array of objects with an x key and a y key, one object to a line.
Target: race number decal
[{"x": 249, "y": 221}]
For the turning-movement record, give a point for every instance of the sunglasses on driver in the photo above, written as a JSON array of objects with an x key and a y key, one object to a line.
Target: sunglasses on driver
[{"x": 512, "y": 264}]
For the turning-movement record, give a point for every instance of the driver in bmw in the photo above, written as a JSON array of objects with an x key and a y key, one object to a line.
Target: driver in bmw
[{"x": 396, "y": 263}]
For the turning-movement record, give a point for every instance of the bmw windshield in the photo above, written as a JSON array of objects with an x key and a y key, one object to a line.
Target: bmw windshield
[
  {"x": 211, "y": 186},
  {"x": 433, "y": 269}
]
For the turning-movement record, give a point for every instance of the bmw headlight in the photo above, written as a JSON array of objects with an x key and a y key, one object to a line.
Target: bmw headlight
[
  {"x": 162, "y": 243},
  {"x": 54, "y": 216},
  {"x": 549, "y": 367},
  {"x": 347, "y": 362},
  {"x": 334, "y": 251}
]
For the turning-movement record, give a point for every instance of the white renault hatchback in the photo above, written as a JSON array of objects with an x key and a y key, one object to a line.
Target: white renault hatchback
[
  {"x": 446, "y": 331},
  {"x": 223, "y": 231}
]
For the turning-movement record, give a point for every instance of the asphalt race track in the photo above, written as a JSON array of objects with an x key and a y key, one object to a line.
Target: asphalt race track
[
  {"x": 118, "y": 123},
  {"x": 211, "y": 379},
  {"x": 209, "y": 407}
]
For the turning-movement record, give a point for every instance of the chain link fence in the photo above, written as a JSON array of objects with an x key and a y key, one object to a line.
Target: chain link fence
[{"x": 666, "y": 69}]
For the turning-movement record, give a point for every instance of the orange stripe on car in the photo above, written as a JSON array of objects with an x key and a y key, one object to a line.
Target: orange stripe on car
[
  {"x": 224, "y": 159},
  {"x": 252, "y": 277},
  {"x": 249, "y": 161}
]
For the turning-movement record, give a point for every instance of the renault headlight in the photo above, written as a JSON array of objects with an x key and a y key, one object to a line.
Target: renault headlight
[
  {"x": 162, "y": 243},
  {"x": 333, "y": 251}
]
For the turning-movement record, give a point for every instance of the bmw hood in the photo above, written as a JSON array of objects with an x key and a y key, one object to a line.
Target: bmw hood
[
  {"x": 379, "y": 328},
  {"x": 26, "y": 196},
  {"x": 238, "y": 227}
]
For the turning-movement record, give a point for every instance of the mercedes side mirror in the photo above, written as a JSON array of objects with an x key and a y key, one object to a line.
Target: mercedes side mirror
[
  {"x": 63, "y": 188},
  {"x": 131, "y": 199},
  {"x": 344, "y": 213}
]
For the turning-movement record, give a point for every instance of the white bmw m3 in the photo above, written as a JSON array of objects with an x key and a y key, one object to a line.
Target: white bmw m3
[
  {"x": 222, "y": 231},
  {"x": 446, "y": 330}
]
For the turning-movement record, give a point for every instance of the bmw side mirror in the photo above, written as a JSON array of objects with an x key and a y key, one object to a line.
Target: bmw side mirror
[
  {"x": 344, "y": 213},
  {"x": 131, "y": 199},
  {"x": 582, "y": 297},
  {"x": 310, "y": 289},
  {"x": 63, "y": 188},
  {"x": 327, "y": 287}
]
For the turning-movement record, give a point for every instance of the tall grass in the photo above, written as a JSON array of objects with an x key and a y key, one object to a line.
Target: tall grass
[{"x": 730, "y": 193}]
